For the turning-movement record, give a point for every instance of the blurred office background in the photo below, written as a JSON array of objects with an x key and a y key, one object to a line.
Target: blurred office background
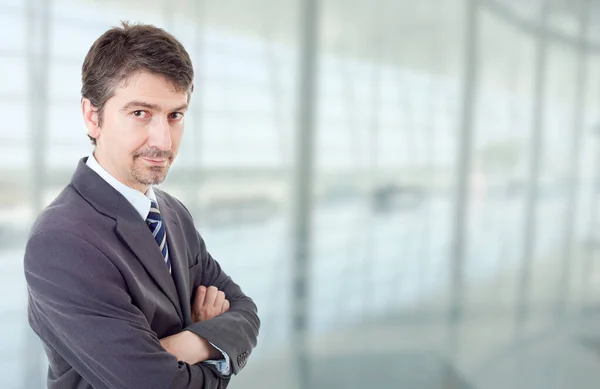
[{"x": 408, "y": 189}]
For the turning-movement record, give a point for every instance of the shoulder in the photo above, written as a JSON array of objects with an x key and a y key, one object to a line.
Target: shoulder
[
  {"x": 68, "y": 212},
  {"x": 65, "y": 228}
]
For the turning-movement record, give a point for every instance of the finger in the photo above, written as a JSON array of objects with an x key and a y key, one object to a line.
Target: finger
[
  {"x": 225, "y": 306},
  {"x": 211, "y": 296},
  {"x": 200, "y": 296},
  {"x": 219, "y": 300}
]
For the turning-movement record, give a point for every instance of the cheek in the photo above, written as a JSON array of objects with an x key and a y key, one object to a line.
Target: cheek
[{"x": 131, "y": 135}]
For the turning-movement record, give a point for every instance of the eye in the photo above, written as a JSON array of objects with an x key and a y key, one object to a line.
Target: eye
[
  {"x": 141, "y": 114},
  {"x": 176, "y": 116}
]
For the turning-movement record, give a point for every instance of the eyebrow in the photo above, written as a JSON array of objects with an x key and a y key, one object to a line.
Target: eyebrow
[{"x": 153, "y": 107}]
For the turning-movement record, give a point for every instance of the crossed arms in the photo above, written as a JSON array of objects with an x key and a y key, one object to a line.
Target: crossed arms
[
  {"x": 81, "y": 309},
  {"x": 189, "y": 347}
]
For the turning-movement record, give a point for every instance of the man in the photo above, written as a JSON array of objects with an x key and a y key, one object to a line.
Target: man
[{"x": 122, "y": 290}]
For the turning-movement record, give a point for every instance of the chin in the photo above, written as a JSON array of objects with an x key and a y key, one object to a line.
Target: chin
[
  {"x": 153, "y": 175},
  {"x": 156, "y": 176}
]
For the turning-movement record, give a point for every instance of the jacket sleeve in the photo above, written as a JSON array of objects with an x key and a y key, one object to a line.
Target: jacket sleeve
[
  {"x": 79, "y": 305},
  {"x": 235, "y": 331}
]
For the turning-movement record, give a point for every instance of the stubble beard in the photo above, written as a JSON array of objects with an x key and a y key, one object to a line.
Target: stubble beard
[{"x": 150, "y": 175}]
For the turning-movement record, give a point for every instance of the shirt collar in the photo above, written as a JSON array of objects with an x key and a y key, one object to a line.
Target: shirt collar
[{"x": 138, "y": 200}]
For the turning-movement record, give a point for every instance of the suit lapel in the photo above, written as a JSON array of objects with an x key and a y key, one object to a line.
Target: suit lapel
[
  {"x": 135, "y": 233},
  {"x": 178, "y": 255},
  {"x": 137, "y": 236}
]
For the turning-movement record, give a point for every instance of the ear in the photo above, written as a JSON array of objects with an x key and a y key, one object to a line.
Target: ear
[{"x": 90, "y": 118}]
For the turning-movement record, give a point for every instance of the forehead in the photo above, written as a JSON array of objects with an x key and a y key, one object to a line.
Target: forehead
[{"x": 149, "y": 88}]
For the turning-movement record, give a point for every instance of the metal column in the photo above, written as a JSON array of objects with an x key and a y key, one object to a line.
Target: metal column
[
  {"x": 534, "y": 168},
  {"x": 303, "y": 184},
  {"x": 463, "y": 169},
  {"x": 575, "y": 153},
  {"x": 38, "y": 44}
]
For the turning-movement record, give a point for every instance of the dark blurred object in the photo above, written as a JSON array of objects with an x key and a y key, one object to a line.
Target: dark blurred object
[{"x": 392, "y": 197}]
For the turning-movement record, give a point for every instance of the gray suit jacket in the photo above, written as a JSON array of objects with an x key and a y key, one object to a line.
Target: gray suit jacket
[{"x": 101, "y": 297}]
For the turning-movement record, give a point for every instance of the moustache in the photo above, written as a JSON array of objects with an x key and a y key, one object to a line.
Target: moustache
[{"x": 153, "y": 154}]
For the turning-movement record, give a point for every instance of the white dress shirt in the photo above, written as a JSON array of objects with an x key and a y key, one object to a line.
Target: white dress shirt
[{"x": 141, "y": 203}]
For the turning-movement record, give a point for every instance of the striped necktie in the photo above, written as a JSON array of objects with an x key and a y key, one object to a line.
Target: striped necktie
[{"x": 157, "y": 227}]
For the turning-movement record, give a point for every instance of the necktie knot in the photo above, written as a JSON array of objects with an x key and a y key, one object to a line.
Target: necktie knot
[{"x": 154, "y": 213}]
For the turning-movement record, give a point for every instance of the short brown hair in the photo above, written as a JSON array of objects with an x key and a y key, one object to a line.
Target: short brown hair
[{"x": 126, "y": 50}]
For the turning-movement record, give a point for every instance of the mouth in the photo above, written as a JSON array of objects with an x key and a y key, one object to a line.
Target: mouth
[{"x": 155, "y": 161}]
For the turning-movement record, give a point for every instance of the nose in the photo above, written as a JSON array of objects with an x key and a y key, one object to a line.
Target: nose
[{"x": 160, "y": 134}]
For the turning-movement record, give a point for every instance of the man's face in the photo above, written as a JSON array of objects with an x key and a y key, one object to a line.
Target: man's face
[{"x": 141, "y": 127}]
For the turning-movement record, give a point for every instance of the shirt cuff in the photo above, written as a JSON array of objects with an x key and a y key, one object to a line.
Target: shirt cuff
[{"x": 222, "y": 365}]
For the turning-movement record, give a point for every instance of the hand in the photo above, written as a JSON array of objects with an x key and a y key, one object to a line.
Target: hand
[
  {"x": 208, "y": 303},
  {"x": 189, "y": 347}
]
